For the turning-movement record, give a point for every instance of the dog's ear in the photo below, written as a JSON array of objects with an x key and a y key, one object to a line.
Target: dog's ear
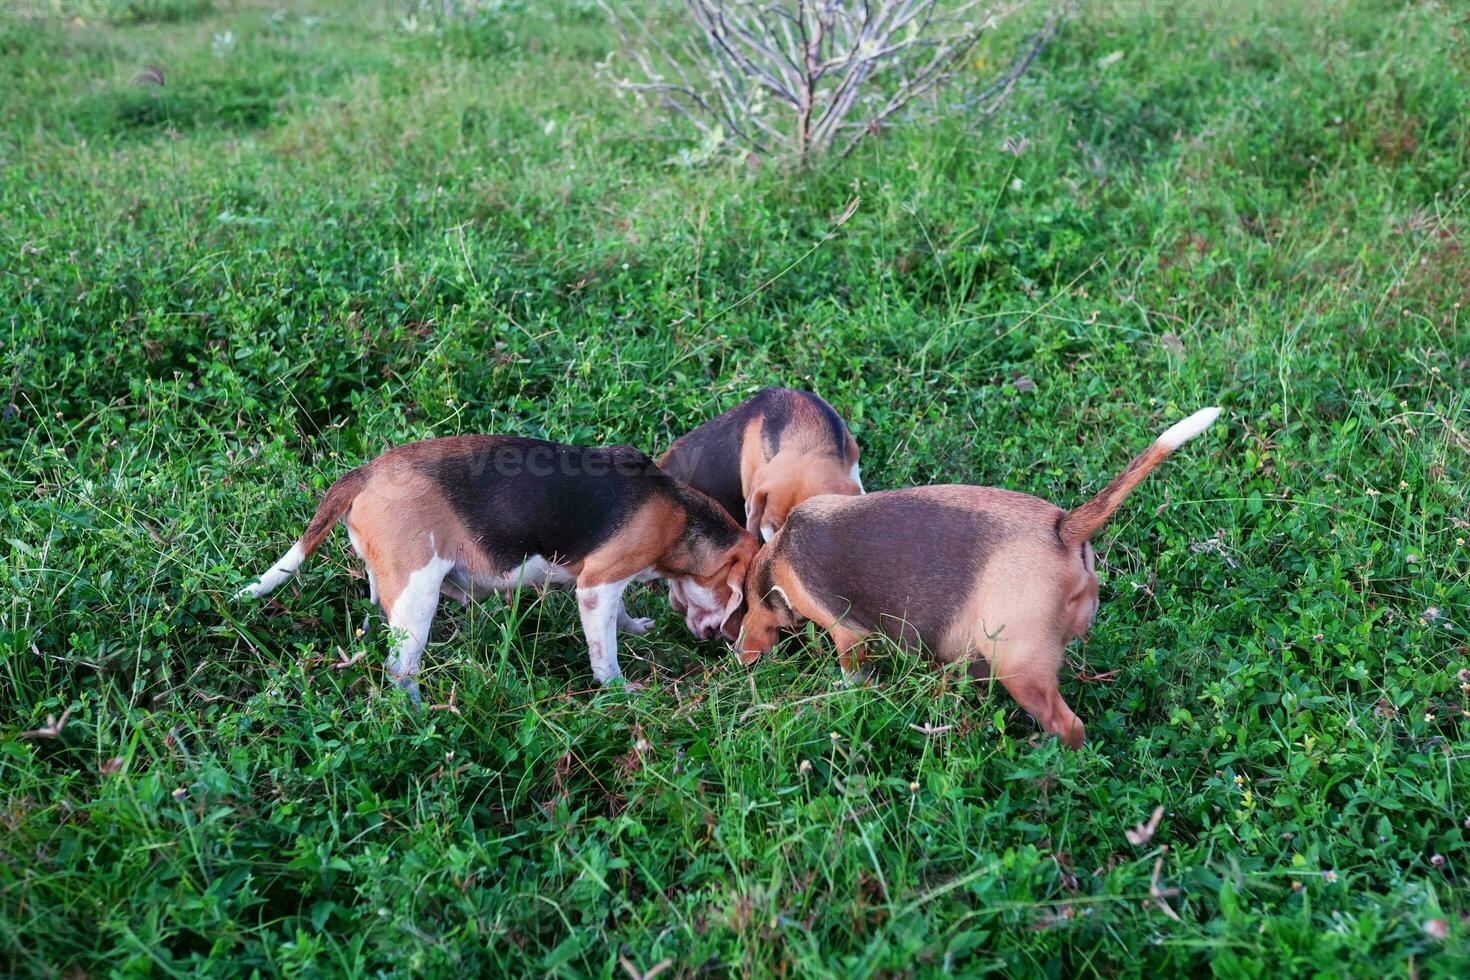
[
  {"x": 735, "y": 579},
  {"x": 735, "y": 572},
  {"x": 755, "y": 511},
  {"x": 676, "y": 596}
]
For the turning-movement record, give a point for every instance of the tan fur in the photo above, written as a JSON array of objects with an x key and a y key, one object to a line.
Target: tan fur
[
  {"x": 1024, "y": 610},
  {"x": 1081, "y": 524},
  {"x": 638, "y": 545},
  {"x": 762, "y": 622},
  {"x": 803, "y": 467},
  {"x": 1028, "y": 603},
  {"x": 413, "y": 541},
  {"x": 1036, "y": 589},
  {"x": 390, "y": 524}
]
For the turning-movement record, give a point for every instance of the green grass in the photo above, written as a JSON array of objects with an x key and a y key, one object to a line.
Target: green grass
[{"x": 326, "y": 233}]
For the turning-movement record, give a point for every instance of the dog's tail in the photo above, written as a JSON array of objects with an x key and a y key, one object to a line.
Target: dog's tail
[
  {"x": 339, "y": 497},
  {"x": 1081, "y": 524}
]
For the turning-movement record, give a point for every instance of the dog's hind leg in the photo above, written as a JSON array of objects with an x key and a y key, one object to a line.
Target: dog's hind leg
[
  {"x": 851, "y": 654},
  {"x": 1030, "y": 675},
  {"x": 410, "y": 602},
  {"x": 633, "y": 625}
]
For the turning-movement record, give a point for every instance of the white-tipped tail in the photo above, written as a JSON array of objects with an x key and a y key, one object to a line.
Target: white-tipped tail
[
  {"x": 277, "y": 574},
  {"x": 1181, "y": 432}
]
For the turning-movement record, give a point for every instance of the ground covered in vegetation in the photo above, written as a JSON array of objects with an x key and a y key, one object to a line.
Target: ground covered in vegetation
[{"x": 335, "y": 226}]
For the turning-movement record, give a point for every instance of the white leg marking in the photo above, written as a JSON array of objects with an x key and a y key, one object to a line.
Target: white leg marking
[
  {"x": 277, "y": 574},
  {"x": 857, "y": 478},
  {"x": 600, "y": 606},
  {"x": 413, "y": 613}
]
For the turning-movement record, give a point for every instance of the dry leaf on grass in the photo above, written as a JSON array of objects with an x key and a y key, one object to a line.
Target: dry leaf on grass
[
  {"x": 653, "y": 971},
  {"x": 51, "y": 729},
  {"x": 1142, "y": 833}
]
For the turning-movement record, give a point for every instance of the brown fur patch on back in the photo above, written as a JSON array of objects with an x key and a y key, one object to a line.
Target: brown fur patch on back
[{"x": 640, "y": 543}]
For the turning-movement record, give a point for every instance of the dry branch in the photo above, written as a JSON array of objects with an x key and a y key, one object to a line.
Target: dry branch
[{"x": 812, "y": 76}]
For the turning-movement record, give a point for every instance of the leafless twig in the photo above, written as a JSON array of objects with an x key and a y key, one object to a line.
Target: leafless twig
[
  {"x": 345, "y": 661},
  {"x": 637, "y": 974},
  {"x": 1160, "y": 896},
  {"x": 812, "y": 76},
  {"x": 51, "y": 729},
  {"x": 452, "y": 706}
]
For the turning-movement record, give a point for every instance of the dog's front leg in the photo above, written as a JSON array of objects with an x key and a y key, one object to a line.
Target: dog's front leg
[{"x": 601, "y": 607}]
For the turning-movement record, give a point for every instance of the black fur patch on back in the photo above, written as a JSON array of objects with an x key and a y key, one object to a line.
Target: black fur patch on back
[
  {"x": 522, "y": 497},
  {"x": 781, "y": 404},
  {"x": 900, "y": 562},
  {"x": 708, "y": 458}
]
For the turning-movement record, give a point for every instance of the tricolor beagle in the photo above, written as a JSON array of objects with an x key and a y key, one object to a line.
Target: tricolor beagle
[
  {"x": 1000, "y": 579},
  {"x": 467, "y": 515},
  {"x": 766, "y": 455}
]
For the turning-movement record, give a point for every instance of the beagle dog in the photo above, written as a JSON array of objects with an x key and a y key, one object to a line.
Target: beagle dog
[
  {"x": 766, "y": 455},
  {"x": 1001, "y": 580},
  {"x": 467, "y": 515}
]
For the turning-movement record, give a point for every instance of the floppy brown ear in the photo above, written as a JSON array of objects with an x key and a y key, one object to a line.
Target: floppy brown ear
[
  {"x": 755, "y": 510},
  {"x": 736, "y": 580}
]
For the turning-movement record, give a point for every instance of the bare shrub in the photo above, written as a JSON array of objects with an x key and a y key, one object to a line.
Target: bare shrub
[{"x": 810, "y": 76}]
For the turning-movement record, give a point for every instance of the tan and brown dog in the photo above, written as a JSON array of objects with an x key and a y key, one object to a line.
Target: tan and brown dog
[
  {"x": 1000, "y": 579},
  {"x": 766, "y": 455},
  {"x": 468, "y": 515}
]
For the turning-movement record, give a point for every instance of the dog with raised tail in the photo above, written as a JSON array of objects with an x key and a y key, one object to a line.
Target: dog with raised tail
[
  {"x": 469, "y": 515},
  {"x": 1001, "y": 580}
]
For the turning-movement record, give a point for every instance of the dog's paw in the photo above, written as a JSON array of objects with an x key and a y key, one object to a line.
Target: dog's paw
[
  {"x": 410, "y": 687},
  {"x": 636, "y": 626}
]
